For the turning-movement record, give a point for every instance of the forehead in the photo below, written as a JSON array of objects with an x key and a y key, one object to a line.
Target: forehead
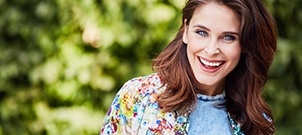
[{"x": 216, "y": 15}]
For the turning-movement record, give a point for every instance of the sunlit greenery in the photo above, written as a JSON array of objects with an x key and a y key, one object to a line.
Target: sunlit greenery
[{"x": 62, "y": 61}]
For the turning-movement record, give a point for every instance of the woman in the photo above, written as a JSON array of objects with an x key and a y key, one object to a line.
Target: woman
[{"x": 208, "y": 80}]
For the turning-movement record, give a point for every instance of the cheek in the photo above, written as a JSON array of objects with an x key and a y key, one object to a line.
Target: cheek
[
  {"x": 195, "y": 44},
  {"x": 233, "y": 53},
  {"x": 191, "y": 48},
  {"x": 190, "y": 51}
]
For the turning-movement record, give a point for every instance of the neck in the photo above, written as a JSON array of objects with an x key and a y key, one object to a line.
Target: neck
[{"x": 210, "y": 90}]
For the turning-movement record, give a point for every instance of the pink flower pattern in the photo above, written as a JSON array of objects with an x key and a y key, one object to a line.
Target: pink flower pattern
[{"x": 135, "y": 111}]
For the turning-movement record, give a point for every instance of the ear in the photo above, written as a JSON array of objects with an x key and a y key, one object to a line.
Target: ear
[{"x": 185, "y": 34}]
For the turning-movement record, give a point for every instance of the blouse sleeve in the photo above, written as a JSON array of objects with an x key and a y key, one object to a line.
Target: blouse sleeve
[{"x": 118, "y": 119}]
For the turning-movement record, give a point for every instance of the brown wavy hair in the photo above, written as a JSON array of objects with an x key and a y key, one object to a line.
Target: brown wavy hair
[{"x": 244, "y": 85}]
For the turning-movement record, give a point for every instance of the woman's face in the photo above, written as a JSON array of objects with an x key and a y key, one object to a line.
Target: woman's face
[{"x": 213, "y": 45}]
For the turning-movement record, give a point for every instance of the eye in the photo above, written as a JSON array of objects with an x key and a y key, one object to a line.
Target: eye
[
  {"x": 229, "y": 38},
  {"x": 202, "y": 33}
]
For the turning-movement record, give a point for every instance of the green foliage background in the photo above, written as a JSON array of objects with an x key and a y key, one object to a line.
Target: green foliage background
[{"x": 62, "y": 61}]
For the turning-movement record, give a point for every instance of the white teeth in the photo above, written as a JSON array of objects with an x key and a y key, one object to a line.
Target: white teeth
[{"x": 212, "y": 64}]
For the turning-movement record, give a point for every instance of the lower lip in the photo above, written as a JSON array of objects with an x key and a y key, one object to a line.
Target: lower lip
[{"x": 209, "y": 69}]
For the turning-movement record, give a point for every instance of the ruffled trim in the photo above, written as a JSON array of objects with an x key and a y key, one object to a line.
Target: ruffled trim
[{"x": 211, "y": 98}]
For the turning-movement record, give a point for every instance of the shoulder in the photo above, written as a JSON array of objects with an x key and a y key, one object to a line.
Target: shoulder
[
  {"x": 143, "y": 86},
  {"x": 139, "y": 92},
  {"x": 148, "y": 80},
  {"x": 128, "y": 108}
]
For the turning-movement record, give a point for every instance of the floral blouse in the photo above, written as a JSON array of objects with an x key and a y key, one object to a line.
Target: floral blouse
[{"x": 135, "y": 111}]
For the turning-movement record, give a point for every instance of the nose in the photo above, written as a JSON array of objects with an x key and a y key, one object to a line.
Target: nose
[{"x": 212, "y": 48}]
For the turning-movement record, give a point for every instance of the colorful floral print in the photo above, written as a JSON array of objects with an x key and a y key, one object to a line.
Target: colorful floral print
[{"x": 135, "y": 111}]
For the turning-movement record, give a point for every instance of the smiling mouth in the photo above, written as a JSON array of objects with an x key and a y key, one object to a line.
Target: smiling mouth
[{"x": 211, "y": 64}]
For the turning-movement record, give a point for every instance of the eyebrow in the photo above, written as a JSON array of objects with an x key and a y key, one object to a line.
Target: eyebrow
[
  {"x": 201, "y": 26},
  {"x": 225, "y": 32}
]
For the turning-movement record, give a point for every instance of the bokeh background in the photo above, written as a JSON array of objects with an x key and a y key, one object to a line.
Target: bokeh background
[{"x": 62, "y": 61}]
